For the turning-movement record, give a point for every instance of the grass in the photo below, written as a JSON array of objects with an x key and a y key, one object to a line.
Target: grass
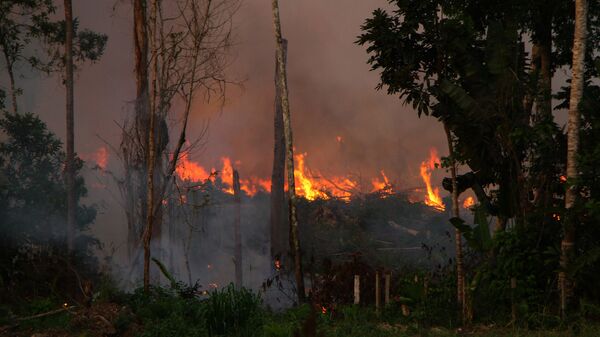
[{"x": 239, "y": 313}]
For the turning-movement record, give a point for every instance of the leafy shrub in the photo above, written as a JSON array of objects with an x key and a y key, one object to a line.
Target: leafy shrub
[{"x": 233, "y": 311}]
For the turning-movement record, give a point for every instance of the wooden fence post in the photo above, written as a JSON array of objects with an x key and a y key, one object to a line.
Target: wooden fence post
[
  {"x": 388, "y": 277},
  {"x": 377, "y": 292}
]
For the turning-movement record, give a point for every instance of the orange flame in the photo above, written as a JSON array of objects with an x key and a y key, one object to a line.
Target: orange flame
[
  {"x": 469, "y": 202},
  {"x": 312, "y": 188},
  {"x": 323, "y": 310},
  {"x": 432, "y": 198},
  {"x": 100, "y": 157},
  {"x": 189, "y": 170},
  {"x": 381, "y": 185},
  {"x": 277, "y": 264}
]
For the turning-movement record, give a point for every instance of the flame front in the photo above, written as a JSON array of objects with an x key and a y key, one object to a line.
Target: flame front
[
  {"x": 432, "y": 198},
  {"x": 311, "y": 188},
  {"x": 189, "y": 170}
]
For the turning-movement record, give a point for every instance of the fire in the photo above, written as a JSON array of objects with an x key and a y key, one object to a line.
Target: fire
[
  {"x": 323, "y": 310},
  {"x": 192, "y": 171},
  {"x": 563, "y": 179},
  {"x": 469, "y": 202},
  {"x": 100, "y": 157},
  {"x": 339, "y": 139},
  {"x": 189, "y": 170},
  {"x": 381, "y": 185},
  {"x": 313, "y": 188},
  {"x": 277, "y": 264},
  {"x": 432, "y": 198}
]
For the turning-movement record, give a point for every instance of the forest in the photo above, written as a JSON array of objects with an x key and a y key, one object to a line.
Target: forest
[{"x": 393, "y": 168}]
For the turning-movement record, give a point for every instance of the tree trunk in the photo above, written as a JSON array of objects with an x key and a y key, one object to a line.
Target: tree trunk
[
  {"x": 460, "y": 275},
  {"x": 289, "y": 149},
  {"x": 236, "y": 230},
  {"x": 11, "y": 76},
  {"x": 577, "y": 83},
  {"x": 69, "y": 165},
  {"x": 278, "y": 232},
  {"x": 150, "y": 202}
]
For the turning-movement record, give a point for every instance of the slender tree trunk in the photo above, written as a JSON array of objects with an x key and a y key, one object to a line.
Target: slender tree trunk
[
  {"x": 69, "y": 165},
  {"x": 278, "y": 232},
  {"x": 236, "y": 230},
  {"x": 11, "y": 76},
  {"x": 150, "y": 202},
  {"x": 289, "y": 149},
  {"x": 577, "y": 83},
  {"x": 460, "y": 274}
]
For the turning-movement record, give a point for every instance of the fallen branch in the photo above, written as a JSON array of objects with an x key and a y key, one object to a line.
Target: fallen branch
[{"x": 44, "y": 314}]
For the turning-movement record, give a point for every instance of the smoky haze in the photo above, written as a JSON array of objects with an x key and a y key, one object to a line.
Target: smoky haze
[{"x": 332, "y": 93}]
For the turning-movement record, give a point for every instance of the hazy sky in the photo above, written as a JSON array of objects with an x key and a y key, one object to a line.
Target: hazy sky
[{"x": 332, "y": 93}]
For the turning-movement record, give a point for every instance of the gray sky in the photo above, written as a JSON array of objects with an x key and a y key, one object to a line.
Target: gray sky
[{"x": 332, "y": 92}]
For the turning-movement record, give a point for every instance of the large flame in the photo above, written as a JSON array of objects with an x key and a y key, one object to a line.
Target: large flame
[
  {"x": 189, "y": 170},
  {"x": 312, "y": 185},
  {"x": 432, "y": 198}
]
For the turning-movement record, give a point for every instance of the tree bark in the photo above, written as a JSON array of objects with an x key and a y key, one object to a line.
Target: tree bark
[
  {"x": 236, "y": 230},
  {"x": 150, "y": 203},
  {"x": 577, "y": 83},
  {"x": 278, "y": 232},
  {"x": 289, "y": 149},
  {"x": 11, "y": 76},
  {"x": 69, "y": 165},
  {"x": 460, "y": 275}
]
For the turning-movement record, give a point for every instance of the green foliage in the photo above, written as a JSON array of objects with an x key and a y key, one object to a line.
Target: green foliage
[
  {"x": 232, "y": 310},
  {"x": 33, "y": 212},
  {"x": 226, "y": 312}
]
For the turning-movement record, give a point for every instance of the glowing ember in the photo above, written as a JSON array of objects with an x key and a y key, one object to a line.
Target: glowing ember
[
  {"x": 563, "y": 179},
  {"x": 209, "y": 266},
  {"x": 277, "y": 264},
  {"x": 556, "y": 217},
  {"x": 100, "y": 157},
  {"x": 339, "y": 139},
  {"x": 469, "y": 202},
  {"x": 432, "y": 198},
  {"x": 213, "y": 285},
  {"x": 323, "y": 310}
]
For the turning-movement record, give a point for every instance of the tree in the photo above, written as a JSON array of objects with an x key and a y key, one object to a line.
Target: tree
[
  {"x": 278, "y": 225},
  {"x": 289, "y": 150},
  {"x": 33, "y": 206},
  {"x": 69, "y": 169},
  {"x": 25, "y": 22},
  {"x": 573, "y": 126},
  {"x": 187, "y": 42}
]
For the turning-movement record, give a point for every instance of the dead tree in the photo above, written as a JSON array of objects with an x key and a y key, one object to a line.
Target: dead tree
[
  {"x": 187, "y": 42},
  {"x": 236, "y": 229},
  {"x": 278, "y": 224},
  {"x": 70, "y": 162},
  {"x": 289, "y": 150}
]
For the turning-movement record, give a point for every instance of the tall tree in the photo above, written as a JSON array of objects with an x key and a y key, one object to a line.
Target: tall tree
[
  {"x": 237, "y": 234},
  {"x": 577, "y": 84},
  {"x": 180, "y": 51},
  {"x": 289, "y": 150},
  {"x": 70, "y": 160},
  {"x": 278, "y": 231},
  {"x": 460, "y": 273}
]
